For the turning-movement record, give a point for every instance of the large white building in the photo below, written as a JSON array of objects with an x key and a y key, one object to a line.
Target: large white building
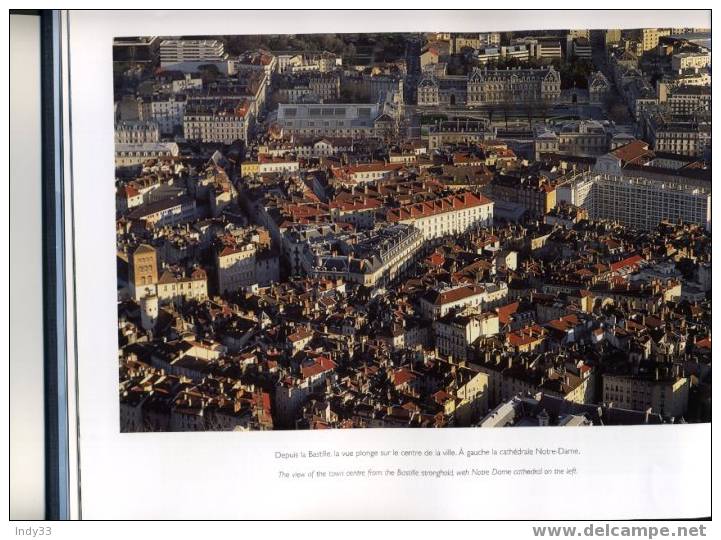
[
  {"x": 690, "y": 60},
  {"x": 665, "y": 394},
  {"x": 435, "y": 304},
  {"x": 637, "y": 202},
  {"x": 454, "y": 214},
  {"x": 174, "y": 51},
  {"x": 218, "y": 121},
  {"x": 170, "y": 211},
  {"x": 331, "y": 120},
  {"x": 166, "y": 111},
  {"x": 173, "y": 288},
  {"x": 135, "y": 131},
  {"x": 244, "y": 265},
  {"x": 455, "y": 333},
  {"x": 491, "y": 86},
  {"x": 130, "y": 154}
]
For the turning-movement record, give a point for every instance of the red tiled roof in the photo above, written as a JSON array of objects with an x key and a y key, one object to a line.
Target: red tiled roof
[
  {"x": 402, "y": 376},
  {"x": 227, "y": 250},
  {"x": 364, "y": 203},
  {"x": 318, "y": 366},
  {"x": 267, "y": 158},
  {"x": 505, "y": 312},
  {"x": 459, "y": 293},
  {"x": 461, "y": 157},
  {"x": 525, "y": 336},
  {"x": 630, "y": 262},
  {"x": 564, "y": 323},
  {"x": 451, "y": 203},
  {"x": 441, "y": 397},
  {"x": 633, "y": 152},
  {"x": 504, "y": 153},
  {"x": 301, "y": 333},
  {"x": 436, "y": 259}
]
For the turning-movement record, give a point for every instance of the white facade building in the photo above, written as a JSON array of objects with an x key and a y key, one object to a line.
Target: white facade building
[
  {"x": 442, "y": 217},
  {"x": 332, "y": 120},
  {"x": 454, "y": 334},
  {"x": 133, "y": 132},
  {"x": 435, "y": 304},
  {"x": 637, "y": 202},
  {"x": 173, "y": 51},
  {"x": 688, "y": 60},
  {"x": 218, "y": 121},
  {"x": 167, "y": 111},
  {"x": 127, "y": 155}
]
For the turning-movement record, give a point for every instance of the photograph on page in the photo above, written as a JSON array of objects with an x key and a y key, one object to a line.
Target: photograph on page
[{"x": 427, "y": 229}]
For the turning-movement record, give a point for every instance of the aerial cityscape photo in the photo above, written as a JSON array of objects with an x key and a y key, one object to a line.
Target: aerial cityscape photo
[{"x": 494, "y": 229}]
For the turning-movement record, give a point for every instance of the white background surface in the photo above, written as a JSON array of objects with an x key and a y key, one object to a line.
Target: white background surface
[
  {"x": 647, "y": 471},
  {"x": 27, "y": 437}
]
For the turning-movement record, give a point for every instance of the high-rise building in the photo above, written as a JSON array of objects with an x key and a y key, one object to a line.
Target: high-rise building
[
  {"x": 637, "y": 202},
  {"x": 648, "y": 37},
  {"x": 612, "y": 36},
  {"x": 174, "y": 51}
]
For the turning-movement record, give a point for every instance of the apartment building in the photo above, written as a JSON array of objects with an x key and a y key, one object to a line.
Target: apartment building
[
  {"x": 220, "y": 121},
  {"x": 468, "y": 132},
  {"x": 269, "y": 164},
  {"x": 304, "y": 87},
  {"x": 175, "y": 288},
  {"x": 136, "y": 132},
  {"x": 175, "y": 51},
  {"x": 365, "y": 172},
  {"x": 690, "y": 60},
  {"x": 439, "y": 302},
  {"x": 170, "y": 211},
  {"x": 581, "y": 48},
  {"x": 373, "y": 259},
  {"x": 166, "y": 110},
  {"x": 537, "y": 194},
  {"x": 455, "y": 333},
  {"x": 576, "y": 138},
  {"x": 686, "y": 100},
  {"x": 131, "y": 154},
  {"x": 245, "y": 264},
  {"x": 135, "y": 50},
  {"x": 488, "y": 54},
  {"x": 640, "y": 203},
  {"x": 445, "y": 216},
  {"x": 685, "y": 136},
  {"x": 664, "y": 391},
  {"x": 648, "y": 37}
]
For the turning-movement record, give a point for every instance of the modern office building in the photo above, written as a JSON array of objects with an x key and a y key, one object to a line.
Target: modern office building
[
  {"x": 637, "y": 202},
  {"x": 175, "y": 51}
]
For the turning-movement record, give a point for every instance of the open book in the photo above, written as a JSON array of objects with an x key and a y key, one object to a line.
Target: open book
[{"x": 384, "y": 265}]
